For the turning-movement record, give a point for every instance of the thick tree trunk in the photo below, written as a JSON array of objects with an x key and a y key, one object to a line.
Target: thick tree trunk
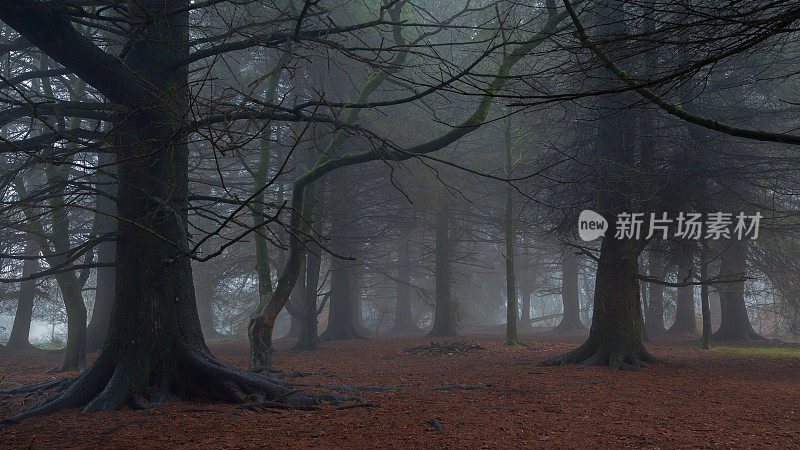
[
  {"x": 342, "y": 322},
  {"x": 685, "y": 318},
  {"x": 344, "y": 312},
  {"x": 155, "y": 348},
  {"x": 571, "y": 320},
  {"x": 615, "y": 334},
  {"x": 735, "y": 325},
  {"x": 403, "y": 319},
  {"x": 654, "y": 316},
  {"x": 21, "y": 330},
  {"x": 444, "y": 319},
  {"x": 97, "y": 329}
]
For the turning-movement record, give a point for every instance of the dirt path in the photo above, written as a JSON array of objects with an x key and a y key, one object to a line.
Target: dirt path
[{"x": 494, "y": 397}]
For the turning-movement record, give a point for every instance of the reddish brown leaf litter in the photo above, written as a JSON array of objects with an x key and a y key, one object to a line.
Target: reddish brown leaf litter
[{"x": 496, "y": 397}]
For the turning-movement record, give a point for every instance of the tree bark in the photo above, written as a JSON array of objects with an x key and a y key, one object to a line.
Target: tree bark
[
  {"x": 403, "y": 319},
  {"x": 735, "y": 324},
  {"x": 155, "y": 348},
  {"x": 571, "y": 320},
  {"x": 685, "y": 318},
  {"x": 21, "y": 330},
  {"x": 654, "y": 317},
  {"x": 444, "y": 319}
]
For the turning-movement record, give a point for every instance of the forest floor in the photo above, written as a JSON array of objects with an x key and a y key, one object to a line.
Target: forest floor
[{"x": 491, "y": 397}]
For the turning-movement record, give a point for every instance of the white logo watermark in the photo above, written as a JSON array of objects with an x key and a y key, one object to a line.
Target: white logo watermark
[{"x": 718, "y": 225}]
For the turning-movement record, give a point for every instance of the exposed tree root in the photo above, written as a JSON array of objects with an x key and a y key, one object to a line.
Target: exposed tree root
[
  {"x": 594, "y": 355},
  {"x": 115, "y": 382}
]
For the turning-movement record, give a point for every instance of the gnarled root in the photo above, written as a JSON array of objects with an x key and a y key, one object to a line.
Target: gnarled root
[
  {"x": 595, "y": 355},
  {"x": 113, "y": 383}
]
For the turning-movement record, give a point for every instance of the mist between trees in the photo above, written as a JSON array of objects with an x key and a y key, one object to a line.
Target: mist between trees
[{"x": 176, "y": 171}]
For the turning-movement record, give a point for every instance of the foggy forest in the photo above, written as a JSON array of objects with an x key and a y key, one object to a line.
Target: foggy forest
[{"x": 399, "y": 223}]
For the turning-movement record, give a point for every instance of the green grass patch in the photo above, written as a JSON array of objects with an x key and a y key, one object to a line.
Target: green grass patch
[{"x": 773, "y": 352}]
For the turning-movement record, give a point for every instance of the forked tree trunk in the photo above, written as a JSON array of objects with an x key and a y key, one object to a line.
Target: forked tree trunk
[
  {"x": 444, "y": 318},
  {"x": 571, "y": 320},
  {"x": 735, "y": 324},
  {"x": 21, "y": 330}
]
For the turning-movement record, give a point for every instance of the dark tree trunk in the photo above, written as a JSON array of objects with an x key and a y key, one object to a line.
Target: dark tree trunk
[
  {"x": 21, "y": 330},
  {"x": 525, "y": 320},
  {"x": 205, "y": 285},
  {"x": 571, "y": 320},
  {"x": 735, "y": 325},
  {"x": 155, "y": 347},
  {"x": 706, "y": 308},
  {"x": 308, "y": 338},
  {"x": 342, "y": 323},
  {"x": 654, "y": 316},
  {"x": 97, "y": 329},
  {"x": 296, "y": 304},
  {"x": 615, "y": 337},
  {"x": 343, "y": 320},
  {"x": 403, "y": 320},
  {"x": 685, "y": 318},
  {"x": 444, "y": 319},
  {"x": 615, "y": 334}
]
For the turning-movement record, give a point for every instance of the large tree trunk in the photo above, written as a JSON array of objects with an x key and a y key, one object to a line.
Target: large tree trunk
[
  {"x": 654, "y": 316},
  {"x": 155, "y": 346},
  {"x": 21, "y": 330},
  {"x": 571, "y": 320},
  {"x": 444, "y": 319},
  {"x": 403, "y": 320},
  {"x": 615, "y": 335},
  {"x": 97, "y": 329},
  {"x": 735, "y": 325},
  {"x": 343, "y": 320},
  {"x": 685, "y": 319}
]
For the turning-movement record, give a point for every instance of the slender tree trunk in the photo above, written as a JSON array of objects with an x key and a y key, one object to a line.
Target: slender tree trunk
[
  {"x": 525, "y": 319},
  {"x": 735, "y": 325},
  {"x": 706, "y": 308},
  {"x": 510, "y": 238},
  {"x": 403, "y": 320},
  {"x": 571, "y": 320},
  {"x": 444, "y": 319},
  {"x": 654, "y": 317},
  {"x": 21, "y": 330}
]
